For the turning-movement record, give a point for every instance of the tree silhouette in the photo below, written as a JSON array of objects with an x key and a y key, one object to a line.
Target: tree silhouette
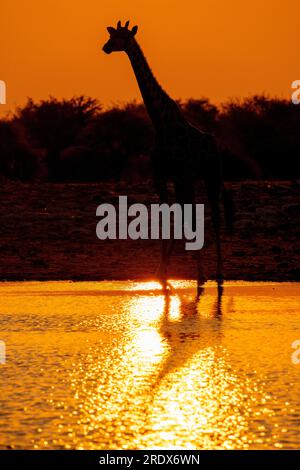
[
  {"x": 76, "y": 140},
  {"x": 55, "y": 125},
  {"x": 17, "y": 159}
]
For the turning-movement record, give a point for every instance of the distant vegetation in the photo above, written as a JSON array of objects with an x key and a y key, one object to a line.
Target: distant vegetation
[{"x": 76, "y": 140}]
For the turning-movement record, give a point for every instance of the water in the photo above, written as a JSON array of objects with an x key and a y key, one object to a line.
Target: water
[{"x": 117, "y": 365}]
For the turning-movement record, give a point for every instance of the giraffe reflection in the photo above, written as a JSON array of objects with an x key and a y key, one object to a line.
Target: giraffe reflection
[{"x": 183, "y": 332}]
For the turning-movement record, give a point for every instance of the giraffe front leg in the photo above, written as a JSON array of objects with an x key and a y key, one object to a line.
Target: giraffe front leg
[
  {"x": 166, "y": 245},
  {"x": 216, "y": 224},
  {"x": 162, "y": 271},
  {"x": 213, "y": 187}
]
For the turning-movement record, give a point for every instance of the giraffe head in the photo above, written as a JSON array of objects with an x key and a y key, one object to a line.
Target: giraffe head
[{"x": 120, "y": 38}]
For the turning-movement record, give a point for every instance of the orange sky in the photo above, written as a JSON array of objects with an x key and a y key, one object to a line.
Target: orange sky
[{"x": 216, "y": 48}]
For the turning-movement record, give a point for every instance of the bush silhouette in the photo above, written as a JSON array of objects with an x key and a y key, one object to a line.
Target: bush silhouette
[
  {"x": 76, "y": 140},
  {"x": 17, "y": 160},
  {"x": 55, "y": 125}
]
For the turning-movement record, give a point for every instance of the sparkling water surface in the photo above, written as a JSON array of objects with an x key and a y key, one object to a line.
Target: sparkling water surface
[{"x": 119, "y": 365}]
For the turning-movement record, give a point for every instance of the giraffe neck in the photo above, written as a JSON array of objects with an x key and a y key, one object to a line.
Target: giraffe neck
[{"x": 158, "y": 103}]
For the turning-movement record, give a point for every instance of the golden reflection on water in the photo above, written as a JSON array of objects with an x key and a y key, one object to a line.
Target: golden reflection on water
[{"x": 120, "y": 365}]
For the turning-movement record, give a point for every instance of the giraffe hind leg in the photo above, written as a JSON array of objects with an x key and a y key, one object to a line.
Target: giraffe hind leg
[
  {"x": 185, "y": 194},
  {"x": 214, "y": 202},
  {"x": 215, "y": 213}
]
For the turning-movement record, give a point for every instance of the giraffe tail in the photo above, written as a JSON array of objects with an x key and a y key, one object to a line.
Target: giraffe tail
[{"x": 228, "y": 209}]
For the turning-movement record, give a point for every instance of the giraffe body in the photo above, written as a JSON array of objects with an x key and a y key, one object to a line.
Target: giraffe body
[{"x": 183, "y": 154}]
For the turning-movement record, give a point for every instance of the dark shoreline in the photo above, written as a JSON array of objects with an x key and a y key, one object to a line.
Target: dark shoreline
[{"x": 47, "y": 232}]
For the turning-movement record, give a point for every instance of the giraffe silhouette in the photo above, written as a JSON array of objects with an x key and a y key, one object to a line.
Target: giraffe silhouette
[{"x": 183, "y": 154}]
